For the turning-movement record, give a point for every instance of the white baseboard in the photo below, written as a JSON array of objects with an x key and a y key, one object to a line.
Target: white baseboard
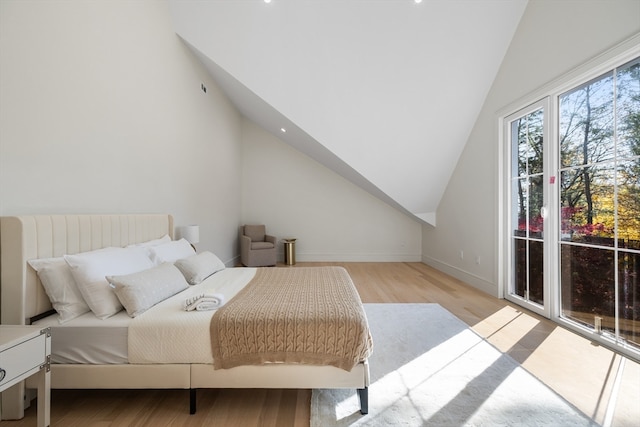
[
  {"x": 350, "y": 257},
  {"x": 354, "y": 257},
  {"x": 468, "y": 278},
  {"x": 233, "y": 262}
]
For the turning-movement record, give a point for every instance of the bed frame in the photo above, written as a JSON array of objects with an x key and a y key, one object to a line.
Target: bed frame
[{"x": 23, "y": 299}]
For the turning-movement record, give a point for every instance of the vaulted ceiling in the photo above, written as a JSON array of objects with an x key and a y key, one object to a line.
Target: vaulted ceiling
[{"x": 384, "y": 92}]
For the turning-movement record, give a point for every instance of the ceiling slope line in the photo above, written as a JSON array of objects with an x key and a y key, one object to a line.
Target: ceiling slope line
[{"x": 256, "y": 109}]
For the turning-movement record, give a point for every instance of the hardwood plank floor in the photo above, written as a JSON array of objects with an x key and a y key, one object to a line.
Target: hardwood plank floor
[{"x": 599, "y": 382}]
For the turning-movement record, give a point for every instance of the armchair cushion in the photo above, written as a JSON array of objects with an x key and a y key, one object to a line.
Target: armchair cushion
[
  {"x": 255, "y": 232},
  {"x": 261, "y": 245}
]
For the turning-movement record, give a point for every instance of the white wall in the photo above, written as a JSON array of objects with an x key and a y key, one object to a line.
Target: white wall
[
  {"x": 333, "y": 220},
  {"x": 553, "y": 38},
  {"x": 101, "y": 111}
]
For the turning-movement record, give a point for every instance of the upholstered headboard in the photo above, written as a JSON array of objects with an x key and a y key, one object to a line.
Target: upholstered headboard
[{"x": 44, "y": 236}]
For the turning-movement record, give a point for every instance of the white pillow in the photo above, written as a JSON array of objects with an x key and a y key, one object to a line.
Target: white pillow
[
  {"x": 140, "y": 291},
  {"x": 171, "y": 251},
  {"x": 90, "y": 269},
  {"x": 58, "y": 283},
  {"x": 196, "y": 268},
  {"x": 154, "y": 242}
]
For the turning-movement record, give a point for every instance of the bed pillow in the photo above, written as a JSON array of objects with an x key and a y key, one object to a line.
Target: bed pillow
[
  {"x": 171, "y": 251},
  {"x": 89, "y": 269},
  {"x": 140, "y": 291},
  {"x": 198, "y": 267},
  {"x": 154, "y": 242},
  {"x": 61, "y": 288}
]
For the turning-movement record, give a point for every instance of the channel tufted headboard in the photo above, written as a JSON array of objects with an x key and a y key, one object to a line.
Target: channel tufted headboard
[{"x": 44, "y": 236}]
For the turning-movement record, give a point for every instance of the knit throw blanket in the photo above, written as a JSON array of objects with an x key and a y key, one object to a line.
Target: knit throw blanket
[{"x": 302, "y": 315}]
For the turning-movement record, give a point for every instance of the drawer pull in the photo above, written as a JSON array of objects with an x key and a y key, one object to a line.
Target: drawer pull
[{"x": 3, "y": 374}]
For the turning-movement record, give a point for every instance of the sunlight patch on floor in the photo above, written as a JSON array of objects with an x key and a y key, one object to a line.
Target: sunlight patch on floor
[
  {"x": 561, "y": 360},
  {"x": 402, "y": 387},
  {"x": 463, "y": 379},
  {"x": 506, "y": 328},
  {"x": 627, "y": 410},
  {"x": 437, "y": 371}
]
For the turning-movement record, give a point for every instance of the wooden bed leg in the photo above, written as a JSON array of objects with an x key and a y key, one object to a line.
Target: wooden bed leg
[
  {"x": 192, "y": 401},
  {"x": 363, "y": 394}
]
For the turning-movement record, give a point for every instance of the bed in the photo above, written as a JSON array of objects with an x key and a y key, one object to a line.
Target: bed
[{"x": 24, "y": 301}]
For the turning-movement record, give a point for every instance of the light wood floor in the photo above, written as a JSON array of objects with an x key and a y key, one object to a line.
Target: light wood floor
[{"x": 602, "y": 384}]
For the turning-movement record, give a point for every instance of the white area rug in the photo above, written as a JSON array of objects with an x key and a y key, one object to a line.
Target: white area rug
[{"x": 429, "y": 368}]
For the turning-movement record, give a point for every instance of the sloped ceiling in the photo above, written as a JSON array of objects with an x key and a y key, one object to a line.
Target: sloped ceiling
[{"x": 383, "y": 92}]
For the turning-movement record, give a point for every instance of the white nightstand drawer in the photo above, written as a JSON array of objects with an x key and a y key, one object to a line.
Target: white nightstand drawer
[
  {"x": 25, "y": 353},
  {"x": 27, "y": 356}
]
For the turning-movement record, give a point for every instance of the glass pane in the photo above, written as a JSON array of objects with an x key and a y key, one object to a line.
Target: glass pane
[
  {"x": 587, "y": 205},
  {"x": 534, "y": 140},
  {"x": 586, "y": 123},
  {"x": 520, "y": 267},
  {"x": 519, "y": 208},
  {"x": 628, "y": 110},
  {"x": 587, "y": 285},
  {"x": 629, "y": 204},
  {"x": 536, "y": 278},
  {"x": 629, "y": 294},
  {"x": 518, "y": 147},
  {"x": 536, "y": 201},
  {"x": 526, "y": 137}
]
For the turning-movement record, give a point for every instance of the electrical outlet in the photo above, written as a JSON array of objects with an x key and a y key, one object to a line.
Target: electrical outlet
[
  {"x": 461, "y": 254},
  {"x": 203, "y": 87},
  {"x": 478, "y": 259}
]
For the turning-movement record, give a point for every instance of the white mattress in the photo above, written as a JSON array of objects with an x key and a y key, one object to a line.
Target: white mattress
[
  {"x": 87, "y": 339},
  {"x": 165, "y": 333}
]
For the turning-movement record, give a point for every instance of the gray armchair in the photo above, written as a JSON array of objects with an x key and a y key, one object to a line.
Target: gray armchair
[{"x": 257, "y": 248}]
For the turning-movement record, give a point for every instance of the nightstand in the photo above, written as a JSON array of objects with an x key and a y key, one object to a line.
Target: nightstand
[{"x": 25, "y": 351}]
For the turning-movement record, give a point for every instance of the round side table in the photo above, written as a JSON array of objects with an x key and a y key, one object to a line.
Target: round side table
[{"x": 289, "y": 251}]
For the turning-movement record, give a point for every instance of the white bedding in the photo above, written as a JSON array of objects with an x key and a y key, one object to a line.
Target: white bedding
[
  {"x": 167, "y": 333},
  {"x": 164, "y": 334},
  {"x": 89, "y": 340}
]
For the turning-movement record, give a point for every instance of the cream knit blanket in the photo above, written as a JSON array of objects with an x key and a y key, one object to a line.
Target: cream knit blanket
[{"x": 305, "y": 315}]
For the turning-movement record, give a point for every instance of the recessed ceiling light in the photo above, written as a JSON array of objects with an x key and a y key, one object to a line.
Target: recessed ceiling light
[
  {"x": 283, "y": 130},
  {"x": 417, "y": 1},
  {"x": 267, "y": 1}
]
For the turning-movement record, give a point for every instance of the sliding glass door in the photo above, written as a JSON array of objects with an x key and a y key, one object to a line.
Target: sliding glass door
[
  {"x": 528, "y": 246},
  {"x": 573, "y": 207},
  {"x": 599, "y": 138}
]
